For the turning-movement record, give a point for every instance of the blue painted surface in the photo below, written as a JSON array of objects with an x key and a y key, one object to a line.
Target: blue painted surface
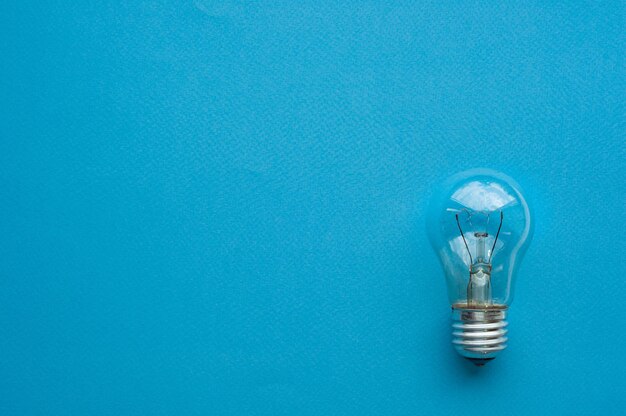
[{"x": 218, "y": 207}]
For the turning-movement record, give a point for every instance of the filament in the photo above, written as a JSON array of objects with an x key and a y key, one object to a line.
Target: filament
[
  {"x": 495, "y": 239},
  {"x": 464, "y": 241}
]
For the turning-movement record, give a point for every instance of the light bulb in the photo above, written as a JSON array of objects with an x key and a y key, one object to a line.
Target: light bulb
[{"x": 479, "y": 225}]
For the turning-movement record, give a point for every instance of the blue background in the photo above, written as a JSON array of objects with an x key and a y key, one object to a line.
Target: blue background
[{"x": 218, "y": 207}]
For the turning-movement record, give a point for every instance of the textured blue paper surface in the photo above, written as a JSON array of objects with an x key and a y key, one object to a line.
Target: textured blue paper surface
[{"x": 218, "y": 207}]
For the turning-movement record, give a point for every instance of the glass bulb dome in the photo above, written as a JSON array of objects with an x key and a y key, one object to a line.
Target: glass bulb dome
[{"x": 479, "y": 224}]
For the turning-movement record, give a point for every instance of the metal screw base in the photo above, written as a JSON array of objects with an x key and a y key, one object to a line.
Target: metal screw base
[{"x": 479, "y": 334}]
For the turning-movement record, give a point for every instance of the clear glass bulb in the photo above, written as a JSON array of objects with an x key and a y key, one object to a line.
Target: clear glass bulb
[{"x": 479, "y": 225}]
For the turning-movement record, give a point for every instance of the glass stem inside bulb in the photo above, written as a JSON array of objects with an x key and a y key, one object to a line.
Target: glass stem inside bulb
[
  {"x": 479, "y": 289},
  {"x": 479, "y": 286}
]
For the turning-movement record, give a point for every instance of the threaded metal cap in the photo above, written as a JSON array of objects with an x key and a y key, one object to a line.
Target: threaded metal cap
[{"x": 479, "y": 334}]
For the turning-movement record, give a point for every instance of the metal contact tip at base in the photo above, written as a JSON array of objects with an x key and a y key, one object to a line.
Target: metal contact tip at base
[
  {"x": 479, "y": 362},
  {"x": 479, "y": 334}
]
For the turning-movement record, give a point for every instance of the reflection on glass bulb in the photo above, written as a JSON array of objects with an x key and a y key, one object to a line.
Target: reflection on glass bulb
[{"x": 479, "y": 225}]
